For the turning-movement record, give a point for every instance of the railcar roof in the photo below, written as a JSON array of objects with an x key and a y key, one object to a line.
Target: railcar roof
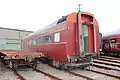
[
  {"x": 53, "y": 24},
  {"x": 112, "y": 36},
  {"x": 47, "y": 27},
  {"x": 116, "y": 32}
]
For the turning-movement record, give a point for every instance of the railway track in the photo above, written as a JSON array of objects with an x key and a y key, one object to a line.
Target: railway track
[
  {"x": 108, "y": 57},
  {"x": 86, "y": 77},
  {"x": 105, "y": 67},
  {"x": 105, "y": 73},
  {"x": 40, "y": 75},
  {"x": 7, "y": 74},
  {"x": 99, "y": 71},
  {"x": 80, "y": 75},
  {"x": 84, "y": 74},
  {"x": 68, "y": 72},
  {"x": 53, "y": 76},
  {"x": 109, "y": 60},
  {"x": 19, "y": 75},
  {"x": 49, "y": 75},
  {"x": 64, "y": 74},
  {"x": 30, "y": 74},
  {"x": 109, "y": 65},
  {"x": 95, "y": 74}
]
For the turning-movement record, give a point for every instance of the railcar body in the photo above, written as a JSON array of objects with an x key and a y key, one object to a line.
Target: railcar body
[
  {"x": 71, "y": 41},
  {"x": 111, "y": 44},
  {"x": 100, "y": 41}
]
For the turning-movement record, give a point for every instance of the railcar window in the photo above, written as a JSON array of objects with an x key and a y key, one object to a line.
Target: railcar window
[
  {"x": 112, "y": 40},
  {"x": 39, "y": 40},
  {"x": 30, "y": 41},
  {"x": 56, "y": 37},
  {"x": 47, "y": 39},
  {"x": 34, "y": 41},
  {"x": 105, "y": 41}
]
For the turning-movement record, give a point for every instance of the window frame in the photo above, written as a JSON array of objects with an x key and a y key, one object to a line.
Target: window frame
[
  {"x": 40, "y": 40},
  {"x": 113, "y": 40},
  {"x": 57, "y": 37},
  {"x": 34, "y": 41},
  {"x": 49, "y": 39},
  {"x": 30, "y": 42}
]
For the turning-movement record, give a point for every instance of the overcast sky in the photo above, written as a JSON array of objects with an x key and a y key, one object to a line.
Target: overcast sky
[{"x": 35, "y": 14}]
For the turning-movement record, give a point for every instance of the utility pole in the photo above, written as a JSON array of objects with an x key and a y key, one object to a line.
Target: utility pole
[
  {"x": 77, "y": 31},
  {"x": 79, "y": 7}
]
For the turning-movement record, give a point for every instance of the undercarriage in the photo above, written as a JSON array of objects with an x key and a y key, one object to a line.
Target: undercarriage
[{"x": 74, "y": 62}]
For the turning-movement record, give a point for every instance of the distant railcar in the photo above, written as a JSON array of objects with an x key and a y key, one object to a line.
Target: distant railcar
[
  {"x": 100, "y": 41},
  {"x": 71, "y": 41},
  {"x": 111, "y": 44}
]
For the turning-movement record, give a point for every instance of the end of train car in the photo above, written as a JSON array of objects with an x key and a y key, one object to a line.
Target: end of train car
[
  {"x": 71, "y": 41},
  {"x": 111, "y": 45}
]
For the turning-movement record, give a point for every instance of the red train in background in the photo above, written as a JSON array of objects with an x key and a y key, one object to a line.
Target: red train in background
[
  {"x": 111, "y": 45},
  {"x": 71, "y": 41}
]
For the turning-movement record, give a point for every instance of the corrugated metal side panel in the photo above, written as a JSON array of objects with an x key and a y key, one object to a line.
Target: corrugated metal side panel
[{"x": 13, "y": 46}]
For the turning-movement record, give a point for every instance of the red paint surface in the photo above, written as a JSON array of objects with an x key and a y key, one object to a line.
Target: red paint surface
[
  {"x": 111, "y": 47},
  {"x": 67, "y": 44}
]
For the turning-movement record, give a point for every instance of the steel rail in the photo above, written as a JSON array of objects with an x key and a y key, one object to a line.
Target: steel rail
[
  {"x": 112, "y": 64},
  {"x": 79, "y": 75},
  {"x": 110, "y": 75},
  {"x": 47, "y": 74},
  {"x": 109, "y": 60},
  {"x": 107, "y": 57},
  {"x": 105, "y": 67},
  {"x": 19, "y": 76},
  {"x": 73, "y": 73}
]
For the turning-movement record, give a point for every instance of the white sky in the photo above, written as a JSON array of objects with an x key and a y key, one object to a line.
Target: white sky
[{"x": 36, "y": 14}]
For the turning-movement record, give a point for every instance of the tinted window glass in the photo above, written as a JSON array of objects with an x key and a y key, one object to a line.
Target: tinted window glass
[
  {"x": 30, "y": 41},
  {"x": 34, "y": 41},
  {"x": 47, "y": 39},
  {"x": 39, "y": 40}
]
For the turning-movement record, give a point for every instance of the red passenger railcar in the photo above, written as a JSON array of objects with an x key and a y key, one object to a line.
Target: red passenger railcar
[{"x": 71, "y": 41}]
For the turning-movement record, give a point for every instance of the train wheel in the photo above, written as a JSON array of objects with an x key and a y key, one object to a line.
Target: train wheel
[
  {"x": 35, "y": 64},
  {"x": 10, "y": 64},
  {"x": 64, "y": 66},
  {"x": 14, "y": 66},
  {"x": 56, "y": 63}
]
